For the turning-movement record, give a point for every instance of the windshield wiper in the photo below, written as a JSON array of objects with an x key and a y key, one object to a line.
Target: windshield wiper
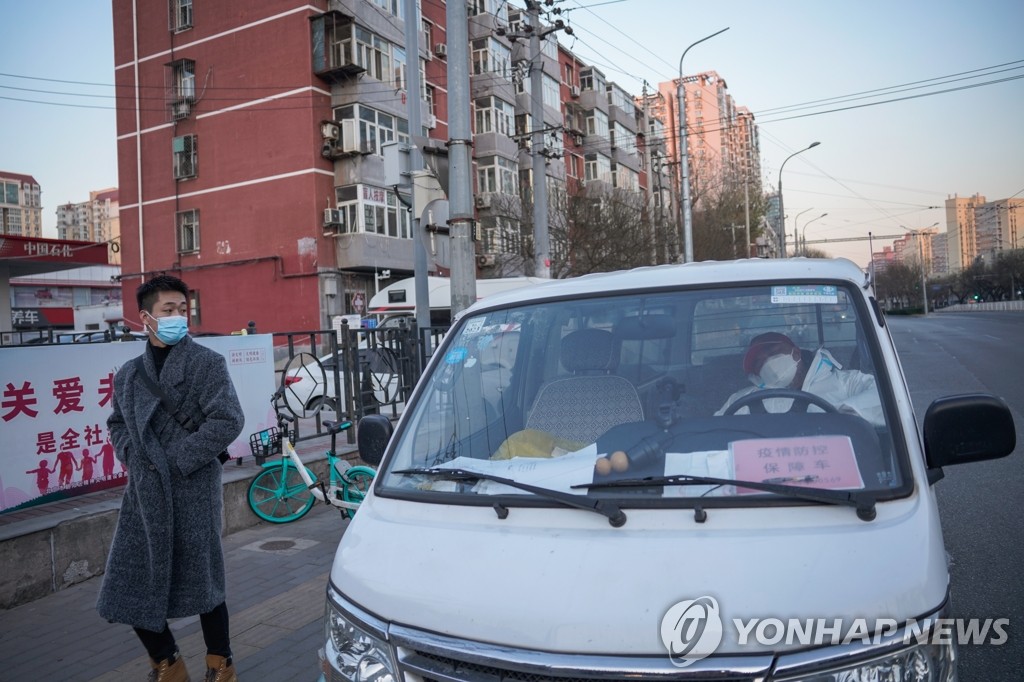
[
  {"x": 863, "y": 502},
  {"x": 616, "y": 517}
]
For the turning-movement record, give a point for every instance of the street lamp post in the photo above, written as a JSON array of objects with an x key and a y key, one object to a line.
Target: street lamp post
[
  {"x": 782, "y": 212},
  {"x": 805, "y": 230},
  {"x": 796, "y": 228},
  {"x": 684, "y": 153},
  {"x": 918, "y": 235}
]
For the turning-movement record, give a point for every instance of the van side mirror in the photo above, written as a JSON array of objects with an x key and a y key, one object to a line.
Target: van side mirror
[
  {"x": 967, "y": 428},
  {"x": 372, "y": 436}
]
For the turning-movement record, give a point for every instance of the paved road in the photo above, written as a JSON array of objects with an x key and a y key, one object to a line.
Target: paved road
[{"x": 980, "y": 504}]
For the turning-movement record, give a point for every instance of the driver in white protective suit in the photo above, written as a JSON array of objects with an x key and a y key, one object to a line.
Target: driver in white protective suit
[{"x": 774, "y": 361}]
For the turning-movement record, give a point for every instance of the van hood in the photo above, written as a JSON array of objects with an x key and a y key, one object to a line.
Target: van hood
[{"x": 563, "y": 580}]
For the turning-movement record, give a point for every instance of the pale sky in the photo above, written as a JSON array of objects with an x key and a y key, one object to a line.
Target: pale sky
[{"x": 877, "y": 168}]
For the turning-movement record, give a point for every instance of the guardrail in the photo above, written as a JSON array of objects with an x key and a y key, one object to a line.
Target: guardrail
[{"x": 977, "y": 307}]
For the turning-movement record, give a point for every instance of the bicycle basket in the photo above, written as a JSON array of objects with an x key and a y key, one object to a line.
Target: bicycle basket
[{"x": 264, "y": 444}]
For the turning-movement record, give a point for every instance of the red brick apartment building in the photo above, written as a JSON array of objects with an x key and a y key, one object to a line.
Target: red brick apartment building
[{"x": 249, "y": 145}]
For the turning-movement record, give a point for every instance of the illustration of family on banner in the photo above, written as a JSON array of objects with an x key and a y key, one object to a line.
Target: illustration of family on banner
[{"x": 54, "y": 403}]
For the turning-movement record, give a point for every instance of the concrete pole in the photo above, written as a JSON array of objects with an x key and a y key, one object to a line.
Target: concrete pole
[
  {"x": 746, "y": 211},
  {"x": 460, "y": 159},
  {"x": 541, "y": 241},
  {"x": 412, "y": 69}
]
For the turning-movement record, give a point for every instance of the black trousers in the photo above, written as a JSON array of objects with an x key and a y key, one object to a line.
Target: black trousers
[{"x": 161, "y": 646}]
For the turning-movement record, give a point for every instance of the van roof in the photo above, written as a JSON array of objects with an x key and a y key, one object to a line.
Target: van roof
[{"x": 708, "y": 272}]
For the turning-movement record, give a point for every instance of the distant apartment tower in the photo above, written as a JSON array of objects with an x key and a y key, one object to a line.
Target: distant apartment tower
[
  {"x": 999, "y": 226},
  {"x": 95, "y": 220},
  {"x": 961, "y": 244},
  {"x": 940, "y": 257},
  {"x": 917, "y": 247},
  {"x": 21, "y": 209},
  {"x": 722, "y": 138}
]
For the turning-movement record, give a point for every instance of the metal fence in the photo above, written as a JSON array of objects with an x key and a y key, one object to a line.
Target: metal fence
[{"x": 348, "y": 373}]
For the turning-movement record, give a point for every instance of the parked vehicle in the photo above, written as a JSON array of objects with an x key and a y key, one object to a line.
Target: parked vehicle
[
  {"x": 568, "y": 496},
  {"x": 399, "y": 299}
]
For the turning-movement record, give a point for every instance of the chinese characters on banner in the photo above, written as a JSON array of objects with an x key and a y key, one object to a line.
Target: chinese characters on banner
[{"x": 54, "y": 404}]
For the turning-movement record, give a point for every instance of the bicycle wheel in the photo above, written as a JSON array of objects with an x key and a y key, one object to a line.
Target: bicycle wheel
[
  {"x": 360, "y": 479},
  {"x": 277, "y": 498}
]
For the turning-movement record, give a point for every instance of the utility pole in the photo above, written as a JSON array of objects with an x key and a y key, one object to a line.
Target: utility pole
[
  {"x": 746, "y": 210},
  {"x": 533, "y": 31},
  {"x": 650, "y": 178},
  {"x": 412, "y": 41},
  {"x": 460, "y": 151}
]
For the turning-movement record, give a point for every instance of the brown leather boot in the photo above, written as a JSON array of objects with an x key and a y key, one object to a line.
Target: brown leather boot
[
  {"x": 220, "y": 669},
  {"x": 169, "y": 670}
]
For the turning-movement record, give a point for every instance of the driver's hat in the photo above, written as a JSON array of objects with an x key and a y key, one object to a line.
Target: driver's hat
[{"x": 764, "y": 346}]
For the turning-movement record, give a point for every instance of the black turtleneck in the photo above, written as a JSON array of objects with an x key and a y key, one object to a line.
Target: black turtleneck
[{"x": 159, "y": 356}]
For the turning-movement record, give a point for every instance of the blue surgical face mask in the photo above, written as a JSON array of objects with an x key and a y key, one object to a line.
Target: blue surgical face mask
[{"x": 171, "y": 329}]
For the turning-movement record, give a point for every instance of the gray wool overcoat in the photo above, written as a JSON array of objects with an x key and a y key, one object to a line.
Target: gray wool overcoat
[{"x": 166, "y": 559}]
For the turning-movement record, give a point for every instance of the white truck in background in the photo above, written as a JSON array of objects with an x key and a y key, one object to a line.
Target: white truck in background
[{"x": 398, "y": 300}]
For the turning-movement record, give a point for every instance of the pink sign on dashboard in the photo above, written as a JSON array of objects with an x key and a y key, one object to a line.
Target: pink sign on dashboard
[{"x": 804, "y": 461}]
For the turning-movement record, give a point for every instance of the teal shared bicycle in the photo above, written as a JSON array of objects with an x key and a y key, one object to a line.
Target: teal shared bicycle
[{"x": 285, "y": 489}]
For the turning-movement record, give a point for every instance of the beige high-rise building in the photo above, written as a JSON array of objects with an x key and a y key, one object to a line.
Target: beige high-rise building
[
  {"x": 722, "y": 138},
  {"x": 95, "y": 220},
  {"x": 21, "y": 209},
  {"x": 961, "y": 244},
  {"x": 999, "y": 227}
]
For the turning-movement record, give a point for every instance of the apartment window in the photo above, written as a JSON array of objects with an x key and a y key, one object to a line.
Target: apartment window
[
  {"x": 373, "y": 53},
  {"x": 180, "y": 15},
  {"x": 195, "y": 318},
  {"x": 379, "y": 208},
  {"x": 597, "y": 123},
  {"x": 188, "y": 231},
  {"x": 490, "y": 56},
  {"x": 569, "y": 78},
  {"x": 624, "y": 178},
  {"x": 496, "y": 7},
  {"x": 551, "y": 92},
  {"x": 429, "y": 95},
  {"x": 524, "y": 130},
  {"x": 427, "y": 34},
  {"x": 621, "y": 137},
  {"x": 183, "y": 80},
  {"x": 392, "y": 7},
  {"x": 592, "y": 79},
  {"x": 186, "y": 158},
  {"x": 497, "y": 174},
  {"x": 10, "y": 193},
  {"x": 398, "y": 58},
  {"x": 597, "y": 167},
  {"x": 375, "y": 127},
  {"x": 494, "y": 115}
]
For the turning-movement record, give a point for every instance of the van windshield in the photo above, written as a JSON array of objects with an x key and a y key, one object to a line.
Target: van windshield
[{"x": 775, "y": 383}]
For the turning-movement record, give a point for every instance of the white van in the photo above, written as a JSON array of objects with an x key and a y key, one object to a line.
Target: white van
[
  {"x": 708, "y": 471},
  {"x": 399, "y": 298}
]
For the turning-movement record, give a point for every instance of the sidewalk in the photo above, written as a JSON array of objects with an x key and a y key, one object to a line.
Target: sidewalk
[
  {"x": 52, "y": 558},
  {"x": 276, "y": 580}
]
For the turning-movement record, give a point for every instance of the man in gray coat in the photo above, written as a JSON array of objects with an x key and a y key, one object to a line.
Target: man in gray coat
[{"x": 166, "y": 559}]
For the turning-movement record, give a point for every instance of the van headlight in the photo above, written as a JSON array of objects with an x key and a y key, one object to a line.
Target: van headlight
[
  {"x": 355, "y": 654},
  {"x": 919, "y": 663}
]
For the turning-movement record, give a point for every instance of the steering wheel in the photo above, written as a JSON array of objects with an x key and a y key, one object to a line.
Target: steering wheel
[{"x": 801, "y": 399}]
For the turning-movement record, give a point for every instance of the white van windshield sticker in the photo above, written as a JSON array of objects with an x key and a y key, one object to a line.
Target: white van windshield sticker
[{"x": 805, "y": 293}]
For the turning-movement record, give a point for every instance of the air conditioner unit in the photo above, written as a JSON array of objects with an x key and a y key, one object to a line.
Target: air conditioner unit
[
  {"x": 367, "y": 147},
  {"x": 332, "y": 217},
  {"x": 483, "y": 200},
  {"x": 329, "y": 130},
  {"x": 431, "y": 121},
  {"x": 441, "y": 50},
  {"x": 574, "y": 91},
  {"x": 181, "y": 109},
  {"x": 485, "y": 260},
  {"x": 349, "y": 136},
  {"x": 329, "y": 149}
]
